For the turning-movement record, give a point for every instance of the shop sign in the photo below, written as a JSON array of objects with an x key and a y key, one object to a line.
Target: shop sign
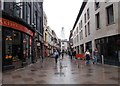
[{"x": 14, "y": 25}]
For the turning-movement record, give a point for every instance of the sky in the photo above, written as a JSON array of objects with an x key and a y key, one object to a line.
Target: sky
[{"x": 61, "y": 13}]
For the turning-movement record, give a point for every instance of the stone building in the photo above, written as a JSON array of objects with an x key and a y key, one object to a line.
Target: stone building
[{"x": 98, "y": 26}]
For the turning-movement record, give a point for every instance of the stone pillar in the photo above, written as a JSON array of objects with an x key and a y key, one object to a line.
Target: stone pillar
[
  {"x": 80, "y": 50},
  {"x": 93, "y": 45},
  {"x": 84, "y": 47}
]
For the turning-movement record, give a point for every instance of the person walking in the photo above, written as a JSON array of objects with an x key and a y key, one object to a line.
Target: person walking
[
  {"x": 74, "y": 54},
  {"x": 62, "y": 54},
  {"x": 71, "y": 54},
  {"x": 87, "y": 56},
  {"x": 95, "y": 56},
  {"x": 56, "y": 55}
]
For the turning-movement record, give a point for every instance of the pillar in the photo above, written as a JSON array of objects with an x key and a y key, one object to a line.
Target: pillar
[{"x": 84, "y": 47}]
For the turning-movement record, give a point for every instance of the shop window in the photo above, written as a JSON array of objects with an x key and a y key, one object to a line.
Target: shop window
[
  {"x": 12, "y": 45},
  {"x": 26, "y": 47},
  {"x": 8, "y": 44}
]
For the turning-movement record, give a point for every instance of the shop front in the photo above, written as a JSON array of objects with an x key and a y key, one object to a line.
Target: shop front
[
  {"x": 46, "y": 49},
  {"x": 50, "y": 50},
  {"x": 89, "y": 46},
  {"x": 82, "y": 48},
  {"x": 16, "y": 44},
  {"x": 77, "y": 49},
  {"x": 109, "y": 48}
]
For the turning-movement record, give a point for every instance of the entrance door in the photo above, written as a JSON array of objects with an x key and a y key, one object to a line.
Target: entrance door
[
  {"x": 16, "y": 49},
  {"x": 16, "y": 52}
]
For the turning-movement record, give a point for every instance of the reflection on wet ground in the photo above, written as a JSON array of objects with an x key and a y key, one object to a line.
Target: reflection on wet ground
[{"x": 65, "y": 72}]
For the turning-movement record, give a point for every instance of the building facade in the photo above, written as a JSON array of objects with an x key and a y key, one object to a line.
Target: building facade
[
  {"x": 45, "y": 35},
  {"x": 56, "y": 41},
  {"x": 22, "y": 33},
  {"x": 98, "y": 26},
  {"x": 50, "y": 41},
  {"x": 64, "y": 45},
  {"x": 71, "y": 41}
]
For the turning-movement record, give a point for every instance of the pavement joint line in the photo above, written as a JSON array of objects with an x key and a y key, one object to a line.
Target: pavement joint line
[{"x": 110, "y": 65}]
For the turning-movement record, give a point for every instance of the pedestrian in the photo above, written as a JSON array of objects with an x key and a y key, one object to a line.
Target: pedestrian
[
  {"x": 59, "y": 52},
  {"x": 56, "y": 55},
  {"x": 62, "y": 54},
  {"x": 87, "y": 56},
  {"x": 68, "y": 52},
  {"x": 74, "y": 54},
  {"x": 71, "y": 54},
  {"x": 95, "y": 56}
]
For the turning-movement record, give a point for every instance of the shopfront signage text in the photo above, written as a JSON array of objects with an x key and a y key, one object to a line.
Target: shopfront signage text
[{"x": 14, "y": 25}]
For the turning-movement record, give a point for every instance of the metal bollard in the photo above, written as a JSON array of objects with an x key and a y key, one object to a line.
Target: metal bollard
[{"x": 102, "y": 59}]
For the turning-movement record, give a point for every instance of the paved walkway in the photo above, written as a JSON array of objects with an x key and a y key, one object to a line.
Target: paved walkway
[{"x": 66, "y": 72}]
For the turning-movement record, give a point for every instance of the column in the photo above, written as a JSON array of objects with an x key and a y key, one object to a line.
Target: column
[
  {"x": 93, "y": 45},
  {"x": 84, "y": 47}
]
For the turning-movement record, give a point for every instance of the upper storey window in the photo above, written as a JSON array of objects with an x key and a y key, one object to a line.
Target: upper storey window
[
  {"x": 110, "y": 14},
  {"x": 97, "y": 4}
]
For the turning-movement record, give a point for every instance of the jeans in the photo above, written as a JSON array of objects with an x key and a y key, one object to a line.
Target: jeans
[
  {"x": 87, "y": 61},
  {"x": 95, "y": 60}
]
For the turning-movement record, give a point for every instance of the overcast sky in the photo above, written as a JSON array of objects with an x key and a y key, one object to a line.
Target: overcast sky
[{"x": 61, "y": 13}]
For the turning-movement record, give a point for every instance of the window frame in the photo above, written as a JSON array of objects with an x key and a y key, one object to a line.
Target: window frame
[
  {"x": 88, "y": 14},
  {"x": 107, "y": 15},
  {"x": 97, "y": 18},
  {"x": 85, "y": 31},
  {"x": 88, "y": 24}
]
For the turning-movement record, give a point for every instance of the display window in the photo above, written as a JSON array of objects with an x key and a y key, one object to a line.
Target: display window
[
  {"x": 17, "y": 46},
  {"x": 27, "y": 48},
  {"x": 12, "y": 44}
]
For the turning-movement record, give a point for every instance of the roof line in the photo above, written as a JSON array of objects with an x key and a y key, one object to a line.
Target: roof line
[{"x": 80, "y": 12}]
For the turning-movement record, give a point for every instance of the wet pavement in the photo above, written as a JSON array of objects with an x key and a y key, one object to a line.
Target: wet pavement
[{"x": 65, "y": 72}]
